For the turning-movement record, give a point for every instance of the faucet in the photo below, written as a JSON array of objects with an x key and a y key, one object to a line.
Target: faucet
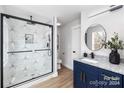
[{"x": 92, "y": 55}]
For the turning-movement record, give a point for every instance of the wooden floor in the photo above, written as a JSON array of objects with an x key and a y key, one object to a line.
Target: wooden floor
[{"x": 64, "y": 80}]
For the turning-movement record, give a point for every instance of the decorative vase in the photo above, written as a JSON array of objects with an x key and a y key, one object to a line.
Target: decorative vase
[{"x": 114, "y": 57}]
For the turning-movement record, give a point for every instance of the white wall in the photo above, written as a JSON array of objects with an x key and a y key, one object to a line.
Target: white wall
[
  {"x": 111, "y": 21},
  {"x": 1, "y": 9},
  {"x": 65, "y": 45}
]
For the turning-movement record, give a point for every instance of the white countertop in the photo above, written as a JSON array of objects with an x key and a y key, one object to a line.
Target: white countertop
[{"x": 103, "y": 62}]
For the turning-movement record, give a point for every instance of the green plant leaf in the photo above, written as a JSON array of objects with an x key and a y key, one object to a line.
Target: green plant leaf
[{"x": 114, "y": 42}]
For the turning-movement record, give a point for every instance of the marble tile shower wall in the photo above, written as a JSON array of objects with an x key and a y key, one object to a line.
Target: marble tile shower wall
[{"x": 19, "y": 67}]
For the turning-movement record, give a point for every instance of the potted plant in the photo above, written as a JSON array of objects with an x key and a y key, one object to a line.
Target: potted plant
[{"x": 114, "y": 44}]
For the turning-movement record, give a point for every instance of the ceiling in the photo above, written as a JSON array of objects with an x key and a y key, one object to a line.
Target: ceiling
[{"x": 65, "y": 13}]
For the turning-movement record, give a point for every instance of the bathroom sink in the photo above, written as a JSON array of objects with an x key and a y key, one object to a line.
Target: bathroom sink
[{"x": 89, "y": 60}]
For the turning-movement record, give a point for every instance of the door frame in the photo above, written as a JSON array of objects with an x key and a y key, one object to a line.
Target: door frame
[
  {"x": 2, "y": 15},
  {"x": 75, "y": 27}
]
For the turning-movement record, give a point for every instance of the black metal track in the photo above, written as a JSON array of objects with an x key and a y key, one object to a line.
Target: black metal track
[
  {"x": 29, "y": 80},
  {"x": 19, "y": 18},
  {"x": 52, "y": 48},
  {"x": 42, "y": 50},
  {"x": 1, "y": 46}
]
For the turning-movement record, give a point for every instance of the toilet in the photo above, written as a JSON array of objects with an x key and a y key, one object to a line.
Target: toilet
[{"x": 59, "y": 63}]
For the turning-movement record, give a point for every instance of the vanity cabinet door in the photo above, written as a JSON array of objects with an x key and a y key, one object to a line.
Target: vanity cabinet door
[
  {"x": 123, "y": 81},
  {"x": 79, "y": 76},
  {"x": 91, "y": 80},
  {"x": 91, "y": 76},
  {"x": 110, "y": 79},
  {"x": 79, "y": 79}
]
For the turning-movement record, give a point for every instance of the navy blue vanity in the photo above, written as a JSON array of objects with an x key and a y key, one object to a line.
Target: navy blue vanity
[{"x": 98, "y": 75}]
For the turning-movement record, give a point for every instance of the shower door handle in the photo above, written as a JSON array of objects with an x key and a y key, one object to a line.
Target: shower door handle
[{"x": 41, "y": 49}]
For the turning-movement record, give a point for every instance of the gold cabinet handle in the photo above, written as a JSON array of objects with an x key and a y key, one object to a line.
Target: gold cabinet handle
[
  {"x": 83, "y": 77},
  {"x": 81, "y": 74}
]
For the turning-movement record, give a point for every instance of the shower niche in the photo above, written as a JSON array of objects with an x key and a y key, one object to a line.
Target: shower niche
[{"x": 26, "y": 48}]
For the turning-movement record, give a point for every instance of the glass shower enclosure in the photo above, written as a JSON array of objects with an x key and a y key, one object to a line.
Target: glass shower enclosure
[{"x": 26, "y": 50}]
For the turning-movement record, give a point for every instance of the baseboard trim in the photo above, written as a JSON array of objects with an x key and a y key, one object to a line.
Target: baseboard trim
[{"x": 67, "y": 66}]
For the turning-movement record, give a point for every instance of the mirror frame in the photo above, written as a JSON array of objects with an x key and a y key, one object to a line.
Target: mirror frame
[{"x": 85, "y": 36}]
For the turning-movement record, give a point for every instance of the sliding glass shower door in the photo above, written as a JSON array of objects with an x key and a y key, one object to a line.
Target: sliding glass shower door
[{"x": 27, "y": 50}]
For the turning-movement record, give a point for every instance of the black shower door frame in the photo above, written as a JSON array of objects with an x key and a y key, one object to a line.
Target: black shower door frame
[{"x": 1, "y": 47}]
